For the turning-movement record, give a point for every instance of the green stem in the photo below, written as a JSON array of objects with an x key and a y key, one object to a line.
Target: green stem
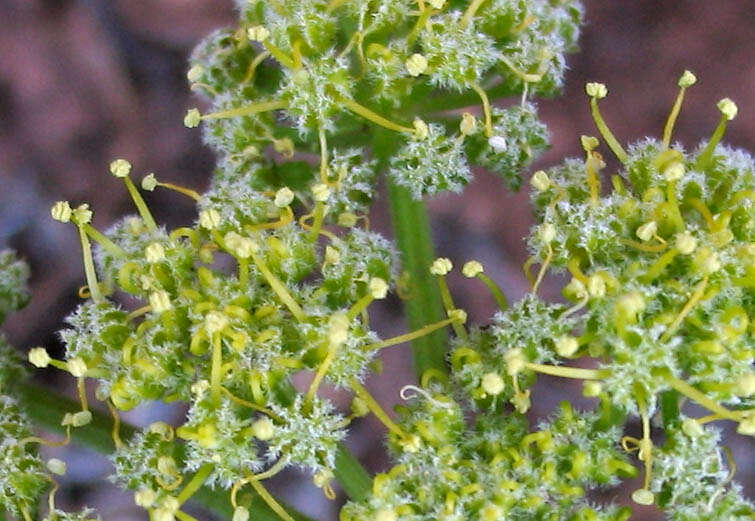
[{"x": 45, "y": 408}]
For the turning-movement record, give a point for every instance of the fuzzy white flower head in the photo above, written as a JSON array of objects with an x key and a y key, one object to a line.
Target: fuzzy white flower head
[
  {"x": 674, "y": 172},
  {"x": 540, "y": 181},
  {"x": 258, "y": 33},
  {"x": 468, "y": 124},
  {"x": 154, "y": 253},
  {"x": 120, "y": 168},
  {"x": 38, "y": 357},
  {"x": 647, "y": 230},
  {"x": 728, "y": 108},
  {"x": 77, "y": 367},
  {"x": 441, "y": 266},
  {"x": 378, "y": 288},
  {"x": 566, "y": 345},
  {"x": 283, "y": 197},
  {"x": 61, "y": 211},
  {"x": 498, "y": 143},
  {"x": 471, "y": 269},
  {"x": 195, "y": 73},
  {"x": 192, "y": 118},
  {"x": 686, "y": 243},
  {"x": 420, "y": 129},
  {"x": 687, "y": 79},
  {"x": 149, "y": 182},
  {"x": 492, "y": 384},
  {"x": 596, "y": 90},
  {"x": 263, "y": 429},
  {"x": 320, "y": 192},
  {"x": 160, "y": 301},
  {"x": 209, "y": 219},
  {"x": 416, "y": 64}
]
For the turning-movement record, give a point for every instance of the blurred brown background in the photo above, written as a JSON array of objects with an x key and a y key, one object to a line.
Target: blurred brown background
[{"x": 85, "y": 81}]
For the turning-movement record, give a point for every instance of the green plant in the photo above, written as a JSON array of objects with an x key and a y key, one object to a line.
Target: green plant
[{"x": 277, "y": 274}]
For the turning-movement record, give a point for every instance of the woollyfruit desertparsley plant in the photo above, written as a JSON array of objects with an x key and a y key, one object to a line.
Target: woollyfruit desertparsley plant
[{"x": 278, "y": 272}]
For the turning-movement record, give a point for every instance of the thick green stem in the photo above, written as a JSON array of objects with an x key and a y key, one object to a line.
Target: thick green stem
[
  {"x": 46, "y": 409},
  {"x": 411, "y": 228}
]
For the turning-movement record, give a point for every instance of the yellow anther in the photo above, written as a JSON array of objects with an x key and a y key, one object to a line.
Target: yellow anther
[
  {"x": 38, "y": 357},
  {"x": 154, "y": 253},
  {"x": 685, "y": 243},
  {"x": 411, "y": 443},
  {"x": 687, "y": 79},
  {"x": 149, "y": 182},
  {"x": 78, "y": 419},
  {"x": 420, "y": 128},
  {"x": 358, "y": 407},
  {"x": 214, "y": 322},
  {"x": 145, "y": 497},
  {"x": 745, "y": 386},
  {"x": 195, "y": 73},
  {"x": 192, "y": 118},
  {"x": 643, "y": 496},
  {"x": 540, "y": 181},
  {"x": 82, "y": 214},
  {"x": 727, "y": 108},
  {"x": 492, "y": 384},
  {"x": 546, "y": 232},
  {"x": 630, "y": 304},
  {"x": 441, "y": 266},
  {"x": 468, "y": 125},
  {"x": 239, "y": 246},
  {"x": 258, "y": 33},
  {"x": 240, "y": 514},
  {"x": 747, "y": 425},
  {"x": 459, "y": 316},
  {"x": 566, "y": 345},
  {"x": 674, "y": 172},
  {"x": 596, "y": 90},
  {"x": 521, "y": 401},
  {"x": 120, "y": 168},
  {"x": 283, "y": 197},
  {"x": 592, "y": 388},
  {"x": 263, "y": 429},
  {"x": 707, "y": 261},
  {"x": 386, "y": 514},
  {"x": 576, "y": 289},
  {"x": 515, "y": 361},
  {"x": 56, "y": 466},
  {"x": 589, "y": 143},
  {"x": 160, "y": 301},
  {"x": 347, "y": 219},
  {"x": 284, "y": 146},
  {"x": 596, "y": 286},
  {"x": 378, "y": 288},
  {"x": 61, "y": 211},
  {"x": 200, "y": 387},
  {"x": 416, "y": 64},
  {"x": 647, "y": 231},
  {"x": 436, "y": 4},
  {"x": 692, "y": 428},
  {"x": 338, "y": 329},
  {"x": 209, "y": 219},
  {"x": 321, "y": 192},
  {"x": 77, "y": 367},
  {"x": 471, "y": 269}
]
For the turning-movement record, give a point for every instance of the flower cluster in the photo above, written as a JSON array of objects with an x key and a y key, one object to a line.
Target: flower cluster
[{"x": 661, "y": 293}]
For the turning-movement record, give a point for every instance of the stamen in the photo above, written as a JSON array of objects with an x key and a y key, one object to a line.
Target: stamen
[
  {"x": 121, "y": 168},
  {"x": 728, "y": 112},
  {"x": 253, "y": 66},
  {"x": 323, "y": 156},
  {"x": 526, "y": 77},
  {"x": 404, "y": 394},
  {"x": 687, "y": 80},
  {"x": 366, "y": 113},
  {"x": 272, "y": 471},
  {"x": 194, "y": 484},
  {"x": 543, "y": 268},
  {"x": 694, "y": 299},
  {"x": 115, "y": 433},
  {"x": 475, "y": 269},
  {"x": 338, "y": 333},
  {"x": 408, "y": 337},
  {"x": 250, "y": 405},
  {"x": 597, "y": 91},
  {"x": 568, "y": 372},
  {"x": 701, "y": 399},
  {"x": 270, "y": 500},
  {"x": 378, "y": 411},
  {"x": 150, "y": 182},
  {"x": 280, "y": 289},
  {"x": 283, "y": 58},
  {"x": 485, "y": 108},
  {"x": 245, "y": 110}
]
